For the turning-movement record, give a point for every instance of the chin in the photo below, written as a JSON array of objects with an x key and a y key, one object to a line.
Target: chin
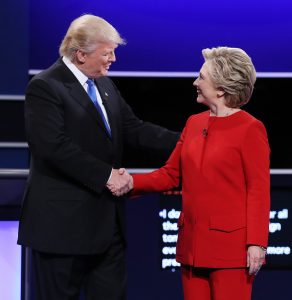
[
  {"x": 104, "y": 73},
  {"x": 101, "y": 74}
]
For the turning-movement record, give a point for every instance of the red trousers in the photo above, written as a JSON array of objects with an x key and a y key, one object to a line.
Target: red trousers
[{"x": 216, "y": 284}]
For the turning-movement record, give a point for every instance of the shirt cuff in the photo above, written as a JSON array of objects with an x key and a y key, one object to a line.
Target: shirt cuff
[{"x": 110, "y": 176}]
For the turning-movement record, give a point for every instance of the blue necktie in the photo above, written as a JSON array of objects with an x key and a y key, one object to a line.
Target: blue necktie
[{"x": 92, "y": 94}]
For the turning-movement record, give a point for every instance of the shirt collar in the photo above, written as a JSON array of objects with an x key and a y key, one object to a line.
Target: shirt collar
[{"x": 77, "y": 73}]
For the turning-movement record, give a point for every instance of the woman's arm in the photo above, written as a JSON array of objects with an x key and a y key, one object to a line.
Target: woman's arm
[
  {"x": 165, "y": 178},
  {"x": 256, "y": 159}
]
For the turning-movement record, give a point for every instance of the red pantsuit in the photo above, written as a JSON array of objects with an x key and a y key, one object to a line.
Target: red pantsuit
[
  {"x": 216, "y": 284},
  {"x": 223, "y": 164}
]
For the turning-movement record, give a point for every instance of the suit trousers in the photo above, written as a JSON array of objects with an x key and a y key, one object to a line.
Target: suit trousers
[
  {"x": 216, "y": 284},
  {"x": 100, "y": 276}
]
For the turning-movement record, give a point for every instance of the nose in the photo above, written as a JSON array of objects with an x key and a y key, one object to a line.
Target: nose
[
  {"x": 195, "y": 83},
  {"x": 113, "y": 57}
]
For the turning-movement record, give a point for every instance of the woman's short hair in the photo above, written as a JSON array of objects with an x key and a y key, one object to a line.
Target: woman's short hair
[
  {"x": 85, "y": 33},
  {"x": 231, "y": 70}
]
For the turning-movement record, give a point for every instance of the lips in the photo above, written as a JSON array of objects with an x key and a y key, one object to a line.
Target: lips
[{"x": 107, "y": 66}]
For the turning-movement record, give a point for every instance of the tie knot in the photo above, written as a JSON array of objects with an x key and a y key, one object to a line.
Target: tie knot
[{"x": 90, "y": 82}]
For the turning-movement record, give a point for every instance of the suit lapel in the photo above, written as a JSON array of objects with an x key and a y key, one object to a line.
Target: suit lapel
[
  {"x": 105, "y": 96},
  {"x": 78, "y": 93}
]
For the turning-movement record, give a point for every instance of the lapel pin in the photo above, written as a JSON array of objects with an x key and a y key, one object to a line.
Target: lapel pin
[{"x": 106, "y": 94}]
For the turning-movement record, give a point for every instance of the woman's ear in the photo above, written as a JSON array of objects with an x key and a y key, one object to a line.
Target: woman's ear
[{"x": 220, "y": 92}]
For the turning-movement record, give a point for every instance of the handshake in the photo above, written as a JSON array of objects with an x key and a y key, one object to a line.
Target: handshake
[{"x": 120, "y": 182}]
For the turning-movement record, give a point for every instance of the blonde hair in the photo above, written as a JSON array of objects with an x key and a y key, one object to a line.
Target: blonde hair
[
  {"x": 85, "y": 33},
  {"x": 232, "y": 70}
]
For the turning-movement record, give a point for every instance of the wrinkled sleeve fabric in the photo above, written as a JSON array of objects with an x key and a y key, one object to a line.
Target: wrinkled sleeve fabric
[{"x": 165, "y": 178}]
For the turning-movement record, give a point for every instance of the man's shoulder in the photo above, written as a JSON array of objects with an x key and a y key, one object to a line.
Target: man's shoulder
[
  {"x": 56, "y": 72},
  {"x": 107, "y": 85},
  {"x": 105, "y": 80}
]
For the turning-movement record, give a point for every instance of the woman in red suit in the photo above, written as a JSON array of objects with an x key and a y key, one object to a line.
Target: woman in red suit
[{"x": 222, "y": 162}]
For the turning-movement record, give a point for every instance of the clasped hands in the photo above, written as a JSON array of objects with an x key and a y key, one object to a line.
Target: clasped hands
[{"x": 120, "y": 183}]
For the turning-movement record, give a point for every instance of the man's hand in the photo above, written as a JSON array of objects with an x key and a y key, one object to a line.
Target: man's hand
[{"x": 120, "y": 183}]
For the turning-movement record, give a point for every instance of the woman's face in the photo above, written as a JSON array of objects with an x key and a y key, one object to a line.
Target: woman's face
[{"x": 207, "y": 92}]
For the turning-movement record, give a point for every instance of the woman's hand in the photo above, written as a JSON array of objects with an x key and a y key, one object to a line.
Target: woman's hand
[{"x": 255, "y": 258}]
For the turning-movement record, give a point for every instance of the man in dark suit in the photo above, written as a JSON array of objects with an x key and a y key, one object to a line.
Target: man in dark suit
[{"x": 76, "y": 130}]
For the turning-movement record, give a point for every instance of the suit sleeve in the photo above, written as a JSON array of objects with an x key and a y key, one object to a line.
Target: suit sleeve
[
  {"x": 256, "y": 159},
  {"x": 49, "y": 144},
  {"x": 165, "y": 178}
]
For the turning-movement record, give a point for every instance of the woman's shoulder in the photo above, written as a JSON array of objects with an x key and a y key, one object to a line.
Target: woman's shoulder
[
  {"x": 250, "y": 119},
  {"x": 199, "y": 117},
  {"x": 253, "y": 126}
]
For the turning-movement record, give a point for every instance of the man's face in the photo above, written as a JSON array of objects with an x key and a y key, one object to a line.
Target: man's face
[{"x": 97, "y": 63}]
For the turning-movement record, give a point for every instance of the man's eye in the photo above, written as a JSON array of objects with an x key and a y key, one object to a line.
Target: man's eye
[{"x": 108, "y": 54}]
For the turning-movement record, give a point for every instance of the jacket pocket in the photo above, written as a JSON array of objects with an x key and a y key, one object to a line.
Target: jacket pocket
[{"x": 227, "y": 223}]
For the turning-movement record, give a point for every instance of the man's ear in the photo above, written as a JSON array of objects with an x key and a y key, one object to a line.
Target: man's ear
[{"x": 80, "y": 56}]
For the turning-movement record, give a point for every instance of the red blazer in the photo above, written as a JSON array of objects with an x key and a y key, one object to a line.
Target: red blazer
[{"x": 223, "y": 165}]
